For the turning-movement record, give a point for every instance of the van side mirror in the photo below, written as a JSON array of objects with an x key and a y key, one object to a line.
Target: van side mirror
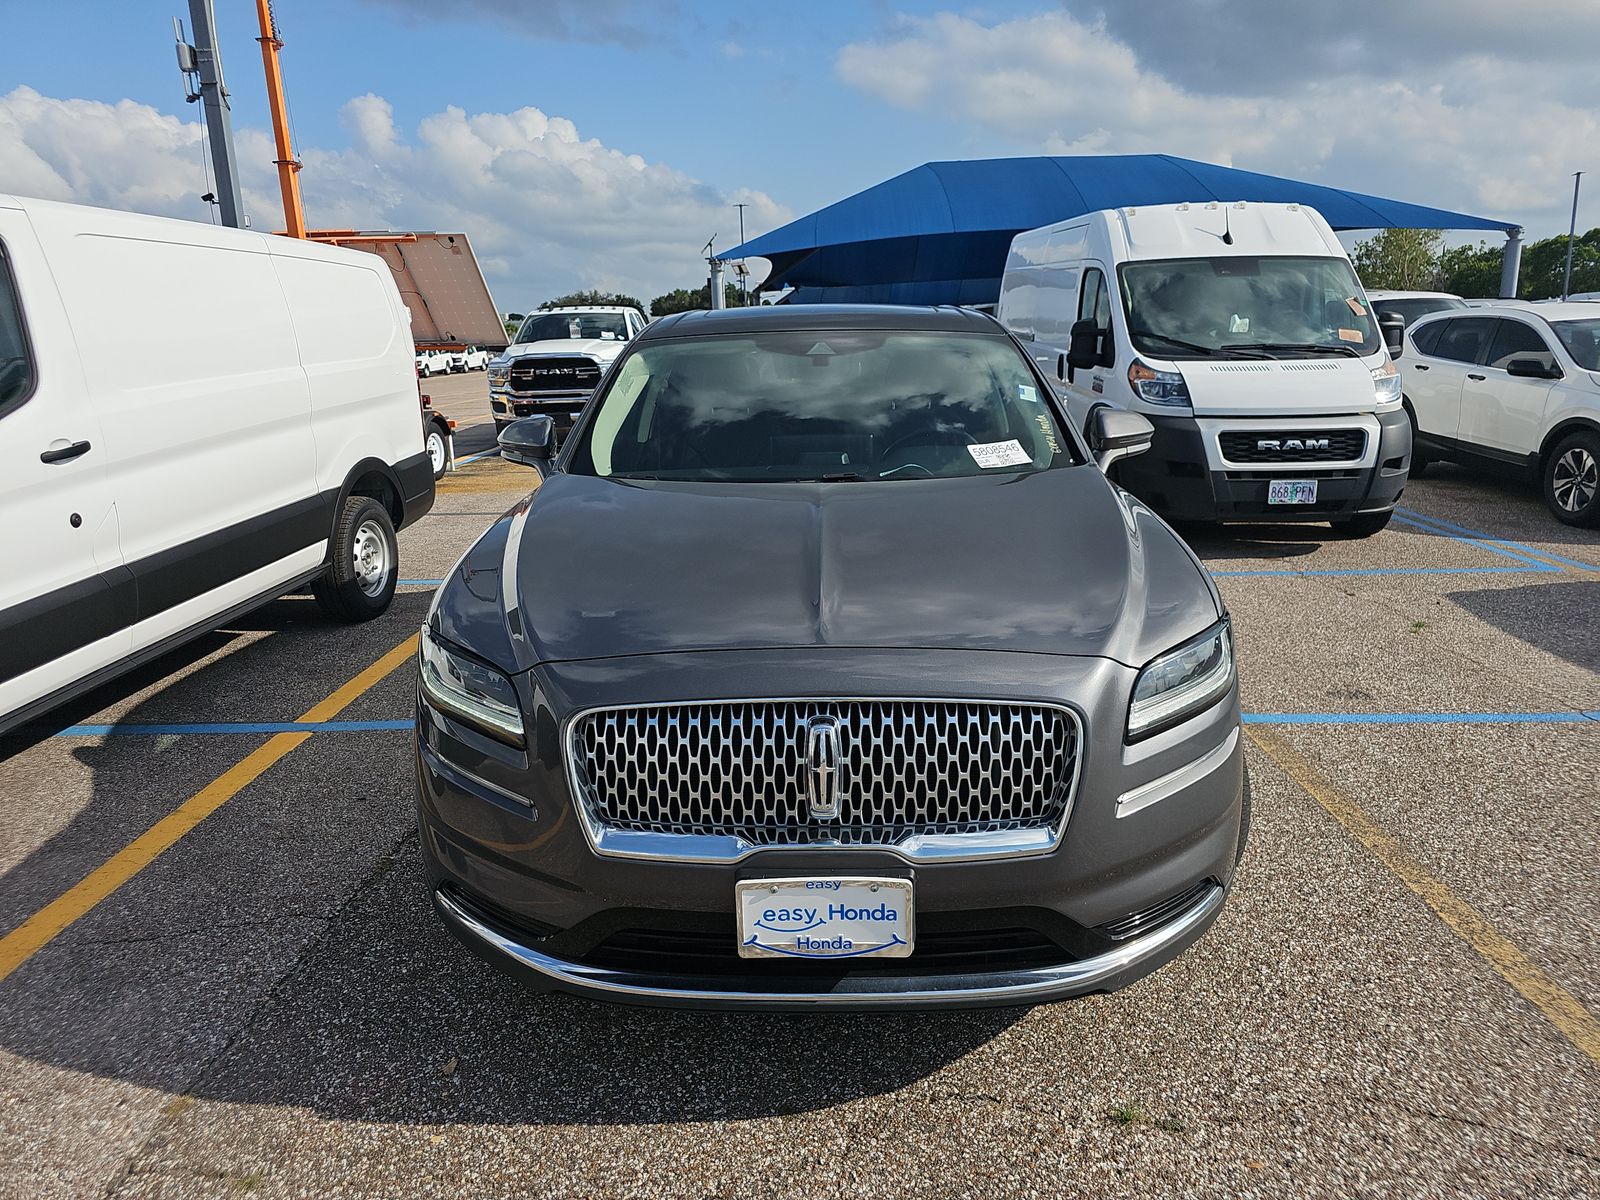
[
  {"x": 1115, "y": 434},
  {"x": 1532, "y": 368},
  {"x": 530, "y": 442},
  {"x": 1083, "y": 345},
  {"x": 1393, "y": 327}
]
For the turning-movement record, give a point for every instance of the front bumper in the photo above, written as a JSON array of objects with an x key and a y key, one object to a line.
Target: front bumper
[
  {"x": 561, "y": 407},
  {"x": 1148, "y": 852},
  {"x": 1182, "y": 477}
]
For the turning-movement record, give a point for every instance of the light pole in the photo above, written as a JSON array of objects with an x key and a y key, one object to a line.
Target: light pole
[
  {"x": 744, "y": 276},
  {"x": 1572, "y": 229}
]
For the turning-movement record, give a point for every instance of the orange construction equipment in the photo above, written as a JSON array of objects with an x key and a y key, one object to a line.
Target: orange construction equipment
[{"x": 294, "y": 213}]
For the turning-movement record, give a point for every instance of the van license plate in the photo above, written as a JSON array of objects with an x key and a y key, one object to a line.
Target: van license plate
[
  {"x": 1292, "y": 491},
  {"x": 824, "y": 918}
]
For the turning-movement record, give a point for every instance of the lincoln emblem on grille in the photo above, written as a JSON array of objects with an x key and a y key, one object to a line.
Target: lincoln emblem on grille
[
  {"x": 1313, "y": 443},
  {"x": 824, "y": 764}
]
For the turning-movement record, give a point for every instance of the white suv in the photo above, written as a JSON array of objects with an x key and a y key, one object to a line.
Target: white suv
[{"x": 1511, "y": 385}]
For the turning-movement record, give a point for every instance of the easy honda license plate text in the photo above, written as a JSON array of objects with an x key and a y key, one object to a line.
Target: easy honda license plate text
[{"x": 824, "y": 918}]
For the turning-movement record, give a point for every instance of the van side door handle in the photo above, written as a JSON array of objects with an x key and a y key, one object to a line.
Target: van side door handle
[
  {"x": 1419, "y": 366},
  {"x": 1476, "y": 378},
  {"x": 64, "y": 453}
]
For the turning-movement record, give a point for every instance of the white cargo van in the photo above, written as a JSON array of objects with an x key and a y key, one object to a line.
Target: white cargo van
[
  {"x": 1241, "y": 332},
  {"x": 193, "y": 421}
]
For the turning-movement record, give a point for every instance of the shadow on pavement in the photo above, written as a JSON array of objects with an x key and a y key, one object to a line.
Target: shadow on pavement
[{"x": 1558, "y": 618}]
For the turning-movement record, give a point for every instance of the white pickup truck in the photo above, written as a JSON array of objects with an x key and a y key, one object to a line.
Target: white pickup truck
[
  {"x": 557, "y": 360},
  {"x": 432, "y": 362}
]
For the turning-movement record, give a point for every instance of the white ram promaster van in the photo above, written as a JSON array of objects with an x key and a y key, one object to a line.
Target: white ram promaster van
[
  {"x": 1241, "y": 332},
  {"x": 193, "y": 421}
]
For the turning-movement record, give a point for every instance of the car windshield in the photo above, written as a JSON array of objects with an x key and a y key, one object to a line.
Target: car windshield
[
  {"x": 822, "y": 405},
  {"x": 558, "y": 327},
  {"x": 1283, "y": 307},
  {"x": 1582, "y": 340}
]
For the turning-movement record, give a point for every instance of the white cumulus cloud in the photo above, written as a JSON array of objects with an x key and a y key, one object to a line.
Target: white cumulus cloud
[
  {"x": 547, "y": 209},
  {"x": 1471, "y": 131}
]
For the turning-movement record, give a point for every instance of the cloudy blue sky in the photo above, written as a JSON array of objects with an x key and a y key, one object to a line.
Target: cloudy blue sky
[{"x": 601, "y": 142}]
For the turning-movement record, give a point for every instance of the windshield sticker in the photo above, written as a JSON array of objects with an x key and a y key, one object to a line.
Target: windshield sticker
[
  {"x": 1000, "y": 454},
  {"x": 1351, "y": 335},
  {"x": 1030, "y": 394},
  {"x": 1238, "y": 324},
  {"x": 819, "y": 348},
  {"x": 1355, "y": 306},
  {"x": 1049, "y": 434}
]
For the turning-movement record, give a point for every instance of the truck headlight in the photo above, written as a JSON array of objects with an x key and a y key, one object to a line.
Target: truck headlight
[
  {"x": 1182, "y": 682},
  {"x": 469, "y": 690},
  {"x": 498, "y": 374},
  {"x": 1386, "y": 383},
  {"x": 1158, "y": 387}
]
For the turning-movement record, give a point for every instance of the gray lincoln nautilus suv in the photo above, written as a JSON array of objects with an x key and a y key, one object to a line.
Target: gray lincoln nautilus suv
[{"x": 825, "y": 667}]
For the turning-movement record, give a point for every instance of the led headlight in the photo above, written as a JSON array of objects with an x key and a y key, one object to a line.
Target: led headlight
[
  {"x": 1386, "y": 383},
  {"x": 498, "y": 374},
  {"x": 469, "y": 690},
  {"x": 1182, "y": 682},
  {"x": 1158, "y": 387}
]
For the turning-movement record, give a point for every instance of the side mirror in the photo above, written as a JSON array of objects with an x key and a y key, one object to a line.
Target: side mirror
[
  {"x": 530, "y": 442},
  {"x": 1083, "y": 345},
  {"x": 1393, "y": 326},
  {"x": 1115, "y": 434},
  {"x": 1532, "y": 368}
]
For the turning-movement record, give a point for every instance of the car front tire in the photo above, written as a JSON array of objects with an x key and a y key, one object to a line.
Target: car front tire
[
  {"x": 1572, "y": 479},
  {"x": 364, "y": 563}
]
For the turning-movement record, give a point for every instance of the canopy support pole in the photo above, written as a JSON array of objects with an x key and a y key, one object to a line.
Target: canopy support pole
[{"x": 1511, "y": 265}]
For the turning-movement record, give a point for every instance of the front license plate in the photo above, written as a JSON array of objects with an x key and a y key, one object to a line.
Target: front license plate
[
  {"x": 824, "y": 918},
  {"x": 1292, "y": 491}
]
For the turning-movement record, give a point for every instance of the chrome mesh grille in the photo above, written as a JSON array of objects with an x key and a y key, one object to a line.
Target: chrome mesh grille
[{"x": 908, "y": 767}]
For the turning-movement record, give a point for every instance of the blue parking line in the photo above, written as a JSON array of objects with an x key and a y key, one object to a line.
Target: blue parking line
[
  {"x": 1413, "y": 518},
  {"x": 437, "y": 582},
  {"x": 1398, "y": 571},
  {"x": 143, "y": 729},
  {"x": 1474, "y": 540},
  {"x": 472, "y": 458},
  {"x": 1574, "y": 717}
]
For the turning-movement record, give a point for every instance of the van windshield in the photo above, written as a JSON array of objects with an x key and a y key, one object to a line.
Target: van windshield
[
  {"x": 560, "y": 327},
  {"x": 821, "y": 406},
  {"x": 1279, "y": 307}
]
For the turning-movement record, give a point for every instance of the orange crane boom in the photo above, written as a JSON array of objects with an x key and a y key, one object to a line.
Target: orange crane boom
[{"x": 294, "y": 213}]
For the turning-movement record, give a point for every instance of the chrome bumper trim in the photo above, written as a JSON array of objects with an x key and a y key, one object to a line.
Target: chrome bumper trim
[
  {"x": 1025, "y": 986},
  {"x": 1169, "y": 784}
]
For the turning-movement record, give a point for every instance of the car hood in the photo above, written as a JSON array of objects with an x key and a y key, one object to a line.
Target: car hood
[
  {"x": 1279, "y": 388},
  {"x": 1056, "y": 562},
  {"x": 599, "y": 349}
]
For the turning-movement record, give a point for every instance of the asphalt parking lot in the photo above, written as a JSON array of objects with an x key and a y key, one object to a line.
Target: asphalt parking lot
[{"x": 219, "y": 974}]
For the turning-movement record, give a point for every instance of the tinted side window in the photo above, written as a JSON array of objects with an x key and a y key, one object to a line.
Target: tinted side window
[
  {"x": 16, "y": 363},
  {"x": 1426, "y": 337},
  {"x": 1094, "y": 303},
  {"x": 1515, "y": 340},
  {"x": 1465, "y": 339}
]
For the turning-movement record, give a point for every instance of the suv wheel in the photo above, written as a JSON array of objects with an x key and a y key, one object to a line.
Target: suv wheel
[
  {"x": 363, "y": 564},
  {"x": 1572, "y": 479}
]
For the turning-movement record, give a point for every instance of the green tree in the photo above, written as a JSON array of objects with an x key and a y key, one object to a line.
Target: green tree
[
  {"x": 593, "y": 298},
  {"x": 1402, "y": 259},
  {"x": 685, "y": 300},
  {"x": 1471, "y": 270}
]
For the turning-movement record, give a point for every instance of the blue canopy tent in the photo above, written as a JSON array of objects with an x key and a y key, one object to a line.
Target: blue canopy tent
[{"x": 939, "y": 233}]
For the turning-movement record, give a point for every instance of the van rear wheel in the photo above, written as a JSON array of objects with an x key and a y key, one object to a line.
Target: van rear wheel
[
  {"x": 364, "y": 563},
  {"x": 437, "y": 449}
]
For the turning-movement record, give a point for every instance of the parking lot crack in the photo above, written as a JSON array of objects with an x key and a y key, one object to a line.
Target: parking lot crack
[{"x": 1520, "y": 1135}]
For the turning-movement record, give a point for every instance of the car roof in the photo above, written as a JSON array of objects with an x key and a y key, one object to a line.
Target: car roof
[
  {"x": 580, "y": 308},
  {"x": 1571, "y": 310},
  {"x": 1391, "y": 294},
  {"x": 773, "y": 318}
]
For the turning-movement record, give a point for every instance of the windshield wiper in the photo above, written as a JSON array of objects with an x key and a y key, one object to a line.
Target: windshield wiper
[
  {"x": 1296, "y": 347},
  {"x": 1195, "y": 347},
  {"x": 840, "y": 477}
]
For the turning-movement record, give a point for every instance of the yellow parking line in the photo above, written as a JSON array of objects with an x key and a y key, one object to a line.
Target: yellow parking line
[
  {"x": 39, "y": 930},
  {"x": 1565, "y": 1011}
]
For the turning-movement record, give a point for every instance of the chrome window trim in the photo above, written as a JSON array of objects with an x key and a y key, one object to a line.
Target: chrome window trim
[{"x": 609, "y": 842}]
